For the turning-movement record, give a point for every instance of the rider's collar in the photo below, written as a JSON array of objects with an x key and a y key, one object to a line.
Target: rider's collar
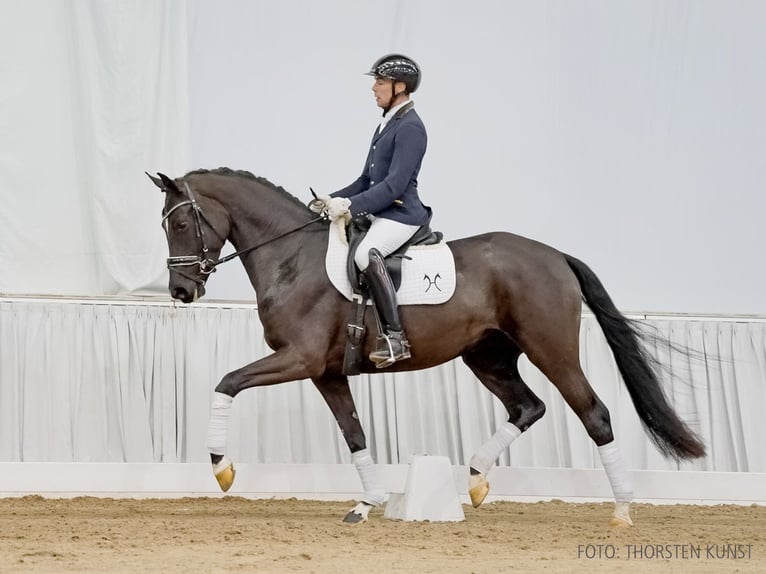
[{"x": 392, "y": 112}]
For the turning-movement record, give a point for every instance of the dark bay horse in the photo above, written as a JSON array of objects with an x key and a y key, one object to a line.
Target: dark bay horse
[{"x": 513, "y": 295}]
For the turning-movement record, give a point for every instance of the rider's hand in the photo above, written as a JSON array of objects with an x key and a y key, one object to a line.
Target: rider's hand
[
  {"x": 338, "y": 207},
  {"x": 319, "y": 203}
]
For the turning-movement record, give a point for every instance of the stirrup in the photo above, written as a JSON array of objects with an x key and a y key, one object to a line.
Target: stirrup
[{"x": 392, "y": 347}]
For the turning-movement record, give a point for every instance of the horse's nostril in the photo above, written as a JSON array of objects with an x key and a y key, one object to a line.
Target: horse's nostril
[{"x": 179, "y": 293}]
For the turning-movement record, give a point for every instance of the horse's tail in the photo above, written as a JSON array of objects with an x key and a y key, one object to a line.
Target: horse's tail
[{"x": 637, "y": 367}]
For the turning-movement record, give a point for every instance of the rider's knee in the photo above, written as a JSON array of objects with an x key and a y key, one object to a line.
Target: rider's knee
[
  {"x": 362, "y": 259},
  {"x": 375, "y": 258},
  {"x": 366, "y": 257}
]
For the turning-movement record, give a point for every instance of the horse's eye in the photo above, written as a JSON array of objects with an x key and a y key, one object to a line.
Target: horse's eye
[{"x": 180, "y": 225}]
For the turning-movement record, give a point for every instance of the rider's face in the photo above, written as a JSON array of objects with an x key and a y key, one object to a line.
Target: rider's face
[{"x": 384, "y": 90}]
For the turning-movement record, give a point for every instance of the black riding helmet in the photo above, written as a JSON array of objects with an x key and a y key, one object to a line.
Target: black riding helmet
[{"x": 398, "y": 68}]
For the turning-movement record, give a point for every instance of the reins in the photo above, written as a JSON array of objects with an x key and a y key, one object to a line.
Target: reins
[{"x": 231, "y": 256}]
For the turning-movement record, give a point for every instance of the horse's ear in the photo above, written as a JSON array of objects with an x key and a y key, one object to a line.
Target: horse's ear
[
  {"x": 164, "y": 182},
  {"x": 156, "y": 180},
  {"x": 170, "y": 184}
]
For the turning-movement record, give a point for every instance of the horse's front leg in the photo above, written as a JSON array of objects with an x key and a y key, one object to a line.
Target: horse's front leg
[
  {"x": 337, "y": 394},
  {"x": 280, "y": 367}
]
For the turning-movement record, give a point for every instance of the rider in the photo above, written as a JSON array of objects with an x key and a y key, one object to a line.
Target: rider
[{"x": 387, "y": 194}]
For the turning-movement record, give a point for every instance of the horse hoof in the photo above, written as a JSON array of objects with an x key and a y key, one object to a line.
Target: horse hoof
[
  {"x": 621, "y": 516},
  {"x": 478, "y": 488},
  {"x": 224, "y": 473},
  {"x": 353, "y": 518},
  {"x": 616, "y": 522},
  {"x": 357, "y": 514}
]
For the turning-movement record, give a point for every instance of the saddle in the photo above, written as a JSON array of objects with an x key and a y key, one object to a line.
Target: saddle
[
  {"x": 355, "y": 329},
  {"x": 358, "y": 228}
]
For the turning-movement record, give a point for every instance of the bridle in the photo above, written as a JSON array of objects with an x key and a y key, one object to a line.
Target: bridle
[{"x": 205, "y": 263}]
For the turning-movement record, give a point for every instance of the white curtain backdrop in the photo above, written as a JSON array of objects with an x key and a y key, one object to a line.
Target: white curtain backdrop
[
  {"x": 94, "y": 93},
  {"x": 100, "y": 382}
]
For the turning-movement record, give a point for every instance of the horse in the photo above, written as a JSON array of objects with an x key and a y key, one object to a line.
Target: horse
[{"x": 513, "y": 295}]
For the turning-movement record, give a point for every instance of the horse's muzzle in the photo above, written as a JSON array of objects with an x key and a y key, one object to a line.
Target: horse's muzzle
[{"x": 185, "y": 296}]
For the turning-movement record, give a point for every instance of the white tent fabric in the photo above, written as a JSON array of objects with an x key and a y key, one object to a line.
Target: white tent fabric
[
  {"x": 629, "y": 133},
  {"x": 634, "y": 123},
  {"x": 100, "y": 382}
]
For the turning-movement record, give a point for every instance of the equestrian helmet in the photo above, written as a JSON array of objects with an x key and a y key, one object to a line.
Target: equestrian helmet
[{"x": 398, "y": 68}]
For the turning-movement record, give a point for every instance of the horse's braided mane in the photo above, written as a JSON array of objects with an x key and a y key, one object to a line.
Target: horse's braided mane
[{"x": 247, "y": 175}]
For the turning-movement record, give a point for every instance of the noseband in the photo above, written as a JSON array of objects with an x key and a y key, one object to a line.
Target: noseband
[{"x": 207, "y": 265}]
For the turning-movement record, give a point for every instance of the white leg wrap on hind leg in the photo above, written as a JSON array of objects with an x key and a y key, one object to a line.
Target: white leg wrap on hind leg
[
  {"x": 374, "y": 492},
  {"x": 617, "y": 472},
  {"x": 491, "y": 450},
  {"x": 219, "y": 422}
]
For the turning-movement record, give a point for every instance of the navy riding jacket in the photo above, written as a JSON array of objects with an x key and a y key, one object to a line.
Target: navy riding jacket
[{"x": 388, "y": 186}]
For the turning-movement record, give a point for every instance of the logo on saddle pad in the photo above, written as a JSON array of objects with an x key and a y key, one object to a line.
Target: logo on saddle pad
[
  {"x": 428, "y": 271},
  {"x": 432, "y": 282}
]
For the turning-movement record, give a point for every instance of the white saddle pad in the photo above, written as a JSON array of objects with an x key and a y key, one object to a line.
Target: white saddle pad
[{"x": 428, "y": 278}]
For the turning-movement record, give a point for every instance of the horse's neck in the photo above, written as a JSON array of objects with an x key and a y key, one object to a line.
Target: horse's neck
[
  {"x": 275, "y": 227},
  {"x": 280, "y": 269},
  {"x": 259, "y": 213}
]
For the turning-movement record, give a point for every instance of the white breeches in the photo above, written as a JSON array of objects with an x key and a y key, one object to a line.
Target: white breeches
[{"x": 386, "y": 236}]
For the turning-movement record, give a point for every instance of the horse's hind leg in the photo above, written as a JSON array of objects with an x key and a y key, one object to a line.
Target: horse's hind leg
[
  {"x": 564, "y": 371},
  {"x": 494, "y": 361},
  {"x": 337, "y": 394}
]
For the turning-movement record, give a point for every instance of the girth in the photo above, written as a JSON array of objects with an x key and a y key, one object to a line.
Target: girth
[{"x": 358, "y": 228}]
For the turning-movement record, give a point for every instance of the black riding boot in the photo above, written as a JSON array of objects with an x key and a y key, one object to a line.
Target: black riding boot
[{"x": 392, "y": 345}]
